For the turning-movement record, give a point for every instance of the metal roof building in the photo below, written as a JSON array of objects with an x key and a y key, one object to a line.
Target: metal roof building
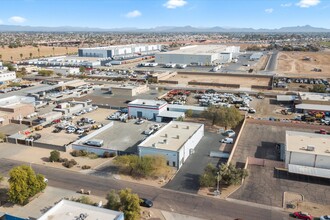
[
  {"x": 307, "y": 153},
  {"x": 199, "y": 54}
]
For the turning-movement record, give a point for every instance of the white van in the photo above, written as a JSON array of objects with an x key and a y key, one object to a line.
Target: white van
[
  {"x": 95, "y": 142},
  {"x": 227, "y": 141}
]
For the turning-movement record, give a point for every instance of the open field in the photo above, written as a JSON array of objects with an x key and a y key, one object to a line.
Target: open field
[
  {"x": 14, "y": 53},
  {"x": 243, "y": 81},
  {"x": 292, "y": 64}
]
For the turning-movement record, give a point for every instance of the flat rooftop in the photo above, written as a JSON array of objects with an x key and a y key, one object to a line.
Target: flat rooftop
[
  {"x": 310, "y": 96},
  {"x": 325, "y": 108},
  {"x": 116, "y": 47},
  {"x": 298, "y": 142},
  {"x": 175, "y": 133},
  {"x": 147, "y": 102},
  {"x": 68, "y": 210},
  {"x": 199, "y": 50}
]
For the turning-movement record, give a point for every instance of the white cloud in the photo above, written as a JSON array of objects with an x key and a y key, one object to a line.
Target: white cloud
[
  {"x": 269, "y": 10},
  {"x": 286, "y": 5},
  {"x": 171, "y": 4},
  {"x": 17, "y": 19},
  {"x": 308, "y": 3},
  {"x": 133, "y": 14}
]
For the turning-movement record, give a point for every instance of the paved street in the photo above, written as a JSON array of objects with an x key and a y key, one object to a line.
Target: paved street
[{"x": 163, "y": 199}]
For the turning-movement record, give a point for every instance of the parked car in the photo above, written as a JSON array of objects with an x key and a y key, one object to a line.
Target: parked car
[
  {"x": 302, "y": 215},
  {"x": 252, "y": 110},
  {"x": 139, "y": 121},
  {"x": 56, "y": 130},
  {"x": 229, "y": 133},
  {"x": 146, "y": 203},
  {"x": 227, "y": 140},
  {"x": 155, "y": 127},
  {"x": 323, "y": 131},
  {"x": 36, "y": 136},
  {"x": 148, "y": 131},
  {"x": 325, "y": 217}
]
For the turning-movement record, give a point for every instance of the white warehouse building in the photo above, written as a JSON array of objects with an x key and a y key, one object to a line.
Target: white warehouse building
[
  {"x": 307, "y": 153},
  {"x": 144, "y": 108},
  {"x": 120, "y": 51},
  {"x": 7, "y": 76},
  {"x": 199, "y": 55},
  {"x": 175, "y": 141}
]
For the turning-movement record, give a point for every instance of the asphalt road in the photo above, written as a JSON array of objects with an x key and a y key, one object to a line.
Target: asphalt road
[
  {"x": 168, "y": 200},
  {"x": 271, "y": 66}
]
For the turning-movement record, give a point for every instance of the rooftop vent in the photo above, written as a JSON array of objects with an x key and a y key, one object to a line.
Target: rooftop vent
[
  {"x": 187, "y": 126},
  {"x": 143, "y": 103},
  {"x": 154, "y": 145},
  {"x": 178, "y": 136},
  {"x": 310, "y": 148},
  {"x": 165, "y": 141}
]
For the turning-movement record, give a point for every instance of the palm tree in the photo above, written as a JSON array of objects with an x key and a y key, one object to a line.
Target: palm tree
[
  {"x": 31, "y": 55},
  {"x": 66, "y": 50},
  {"x": 53, "y": 51},
  {"x": 38, "y": 51},
  {"x": 21, "y": 55},
  {"x": 11, "y": 58}
]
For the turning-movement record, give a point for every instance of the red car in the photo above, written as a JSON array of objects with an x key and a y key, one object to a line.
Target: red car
[
  {"x": 302, "y": 215},
  {"x": 323, "y": 131}
]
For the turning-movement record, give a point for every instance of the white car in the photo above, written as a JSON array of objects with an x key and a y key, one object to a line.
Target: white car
[
  {"x": 148, "y": 132},
  {"x": 252, "y": 110},
  {"x": 229, "y": 133},
  {"x": 325, "y": 217},
  {"x": 155, "y": 126},
  {"x": 227, "y": 141}
]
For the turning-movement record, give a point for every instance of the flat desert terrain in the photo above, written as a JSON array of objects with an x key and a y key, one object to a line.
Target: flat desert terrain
[
  {"x": 7, "y": 53},
  {"x": 293, "y": 64}
]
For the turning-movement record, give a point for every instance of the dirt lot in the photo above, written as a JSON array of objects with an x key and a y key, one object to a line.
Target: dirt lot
[
  {"x": 292, "y": 64},
  {"x": 7, "y": 53},
  {"x": 243, "y": 81}
]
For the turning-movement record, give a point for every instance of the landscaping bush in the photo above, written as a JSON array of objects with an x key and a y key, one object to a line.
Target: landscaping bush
[
  {"x": 93, "y": 156},
  {"x": 54, "y": 156},
  {"x": 79, "y": 153},
  {"x": 108, "y": 154},
  {"x": 69, "y": 163},
  {"x": 85, "y": 167}
]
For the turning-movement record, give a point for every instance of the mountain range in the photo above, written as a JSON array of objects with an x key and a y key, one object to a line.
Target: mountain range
[{"x": 185, "y": 29}]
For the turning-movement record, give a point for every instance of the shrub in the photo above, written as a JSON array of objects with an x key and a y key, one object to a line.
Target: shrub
[
  {"x": 93, "y": 156},
  {"x": 79, "y": 153},
  {"x": 107, "y": 154},
  {"x": 69, "y": 163},
  {"x": 85, "y": 167},
  {"x": 54, "y": 156}
]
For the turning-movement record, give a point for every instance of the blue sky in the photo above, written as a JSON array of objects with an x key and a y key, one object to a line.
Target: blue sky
[{"x": 152, "y": 13}]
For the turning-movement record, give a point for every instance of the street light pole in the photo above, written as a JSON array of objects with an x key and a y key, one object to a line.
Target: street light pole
[{"x": 217, "y": 192}]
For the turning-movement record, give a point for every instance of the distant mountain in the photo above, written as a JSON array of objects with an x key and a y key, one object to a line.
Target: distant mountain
[{"x": 184, "y": 29}]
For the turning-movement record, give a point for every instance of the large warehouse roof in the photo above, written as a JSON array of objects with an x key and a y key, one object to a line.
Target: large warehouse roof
[
  {"x": 199, "y": 50},
  {"x": 115, "y": 47},
  {"x": 172, "y": 136},
  {"x": 311, "y": 96},
  {"x": 308, "y": 143}
]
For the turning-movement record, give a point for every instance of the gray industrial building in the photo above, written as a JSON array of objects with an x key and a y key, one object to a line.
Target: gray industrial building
[
  {"x": 199, "y": 55},
  {"x": 120, "y": 51}
]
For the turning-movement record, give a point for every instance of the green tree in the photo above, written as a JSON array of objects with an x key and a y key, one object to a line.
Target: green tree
[
  {"x": 319, "y": 88},
  {"x": 9, "y": 66},
  {"x": 189, "y": 113},
  {"x": 230, "y": 175},
  {"x": 223, "y": 116},
  {"x": 38, "y": 51},
  {"x": 21, "y": 55},
  {"x": 208, "y": 178},
  {"x": 53, "y": 51},
  {"x": 66, "y": 48},
  {"x": 46, "y": 72},
  {"x": 31, "y": 55},
  {"x": 0, "y": 56},
  {"x": 125, "y": 201},
  {"x": 82, "y": 69},
  {"x": 55, "y": 156},
  {"x": 24, "y": 183}
]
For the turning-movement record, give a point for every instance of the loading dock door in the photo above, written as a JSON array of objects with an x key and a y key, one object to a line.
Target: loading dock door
[{"x": 139, "y": 114}]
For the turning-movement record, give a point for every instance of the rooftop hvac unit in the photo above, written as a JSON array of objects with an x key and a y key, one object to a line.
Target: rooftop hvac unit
[
  {"x": 310, "y": 148},
  {"x": 154, "y": 145},
  {"x": 165, "y": 141}
]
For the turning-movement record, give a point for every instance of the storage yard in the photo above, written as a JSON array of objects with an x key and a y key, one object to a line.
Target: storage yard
[{"x": 307, "y": 64}]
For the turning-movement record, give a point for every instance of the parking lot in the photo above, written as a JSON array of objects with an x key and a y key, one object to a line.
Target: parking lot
[
  {"x": 259, "y": 140},
  {"x": 62, "y": 137},
  {"x": 124, "y": 136},
  {"x": 265, "y": 185},
  {"x": 187, "y": 179}
]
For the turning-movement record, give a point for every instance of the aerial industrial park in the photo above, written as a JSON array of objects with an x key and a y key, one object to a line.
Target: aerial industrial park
[{"x": 172, "y": 122}]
